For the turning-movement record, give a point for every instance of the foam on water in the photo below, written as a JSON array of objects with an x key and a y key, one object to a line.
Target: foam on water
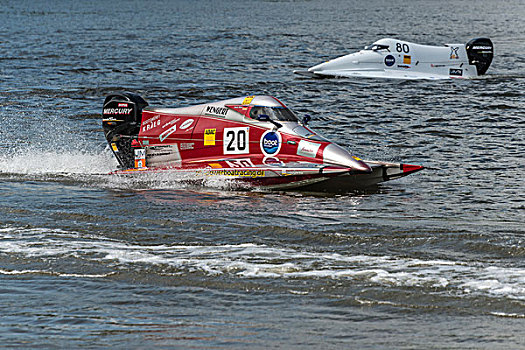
[
  {"x": 39, "y": 162},
  {"x": 43, "y": 272},
  {"x": 257, "y": 261},
  {"x": 95, "y": 168}
]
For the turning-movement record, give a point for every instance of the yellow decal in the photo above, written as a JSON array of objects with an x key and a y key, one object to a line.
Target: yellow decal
[
  {"x": 248, "y": 100},
  {"x": 356, "y": 158},
  {"x": 237, "y": 173},
  {"x": 130, "y": 170},
  {"x": 407, "y": 59},
  {"x": 114, "y": 147},
  {"x": 215, "y": 165},
  {"x": 209, "y": 137}
]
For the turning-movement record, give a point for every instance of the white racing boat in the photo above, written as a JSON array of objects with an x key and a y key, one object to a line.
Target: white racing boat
[{"x": 396, "y": 59}]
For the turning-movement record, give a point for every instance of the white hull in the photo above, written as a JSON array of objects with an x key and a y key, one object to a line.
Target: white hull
[{"x": 396, "y": 59}]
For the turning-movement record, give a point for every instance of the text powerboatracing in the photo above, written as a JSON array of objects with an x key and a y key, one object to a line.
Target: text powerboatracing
[
  {"x": 255, "y": 140},
  {"x": 396, "y": 59}
]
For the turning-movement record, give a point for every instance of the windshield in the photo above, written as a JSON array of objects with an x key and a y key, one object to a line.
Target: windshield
[
  {"x": 376, "y": 47},
  {"x": 275, "y": 113}
]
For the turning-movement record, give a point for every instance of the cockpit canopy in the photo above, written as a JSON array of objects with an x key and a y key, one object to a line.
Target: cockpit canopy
[
  {"x": 376, "y": 47},
  {"x": 275, "y": 113}
]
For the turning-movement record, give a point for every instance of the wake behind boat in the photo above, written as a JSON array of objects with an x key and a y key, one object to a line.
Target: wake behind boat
[
  {"x": 396, "y": 59},
  {"x": 254, "y": 140}
]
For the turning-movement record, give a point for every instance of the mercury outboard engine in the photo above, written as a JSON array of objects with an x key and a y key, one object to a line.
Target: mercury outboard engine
[
  {"x": 480, "y": 52},
  {"x": 121, "y": 118}
]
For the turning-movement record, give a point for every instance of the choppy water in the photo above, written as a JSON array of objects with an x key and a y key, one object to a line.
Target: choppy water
[{"x": 434, "y": 260}]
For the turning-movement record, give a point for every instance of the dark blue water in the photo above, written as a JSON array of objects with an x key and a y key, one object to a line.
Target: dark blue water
[{"x": 89, "y": 260}]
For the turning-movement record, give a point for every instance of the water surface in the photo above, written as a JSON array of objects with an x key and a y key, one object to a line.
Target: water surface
[{"x": 434, "y": 260}]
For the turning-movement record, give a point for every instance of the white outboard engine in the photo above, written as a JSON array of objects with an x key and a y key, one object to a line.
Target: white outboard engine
[
  {"x": 121, "y": 118},
  {"x": 480, "y": 52}
]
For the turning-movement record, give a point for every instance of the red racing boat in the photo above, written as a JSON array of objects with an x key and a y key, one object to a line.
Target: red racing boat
[{"x": 255, "y": 141}]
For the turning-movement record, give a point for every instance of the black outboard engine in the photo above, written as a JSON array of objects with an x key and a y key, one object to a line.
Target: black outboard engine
[
  {"x": 121, "y": 118},
  {"x": 480, "y": 52}
]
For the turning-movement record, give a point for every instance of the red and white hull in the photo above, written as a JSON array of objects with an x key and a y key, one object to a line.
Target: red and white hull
[
  {"x": 316, "y": 179},
  {"x": 255, "y": 141}
]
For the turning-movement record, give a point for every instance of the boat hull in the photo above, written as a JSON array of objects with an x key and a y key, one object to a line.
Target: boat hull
[
  {"x": 330, "y": 179},
  {"x": 247, "y": 142},
  {"x": 395, "y": 59}
]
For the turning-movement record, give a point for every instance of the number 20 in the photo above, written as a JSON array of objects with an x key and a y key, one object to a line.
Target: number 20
[{"x": 236, "y": 140}]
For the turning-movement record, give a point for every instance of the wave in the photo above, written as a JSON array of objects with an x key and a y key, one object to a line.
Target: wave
[
  {"x": 259, "y": 261},
  {"x": 52, "y": 273}
]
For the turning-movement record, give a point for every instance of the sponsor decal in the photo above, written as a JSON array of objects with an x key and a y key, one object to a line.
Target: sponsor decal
[
  {"x": 240, "y": 163},
  {"x": 114, "y": 147},
  {"x": 140, "y": 158},
  {"x": 308, "y": 149},
  {"x": 248, "y": 100},
  {"x": 140, "y": 153},
  {"x": 482, "y": 48},
  {"x": 209, "y": 137},
  {"x": 272, "y": 161},
  {"x": 456, "y": 72},
  {"x": 184, "y": 146},
  {"x": 163, "y": 155},
  {"x": 407, "y": 59},
  {"x": 186, "y": 124},
  {"x": 152, "y": 119},
  {"x": 158, "y": 151},
  {"x": 151, "y": 125},
  {"x": 236, "y": 140},
  {"x": 403, "y": 66},
  {"x": 215, "y": 165},
  {"x": 437, "y": 65},
  {"x": 171, "y": 122},
  {"x": 240, "y": 109},
  {"x": 271, "y": 143},
  {"x": 454, "y": 55},
  {"x": 390, "y": 60},
  {"x": 167, "y": 133},
  {"x": 215, "y": 110},
  {"x": 237, "y": 173},
  {"x": 122, "y": 104},
  {"x": 117, "y": 110}
]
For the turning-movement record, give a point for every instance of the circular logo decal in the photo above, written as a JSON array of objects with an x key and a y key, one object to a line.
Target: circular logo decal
[
  {"x": 270, "y": 143},
  {"x": 272, "y": 161},
  {"x": 390, "y": 60}
]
